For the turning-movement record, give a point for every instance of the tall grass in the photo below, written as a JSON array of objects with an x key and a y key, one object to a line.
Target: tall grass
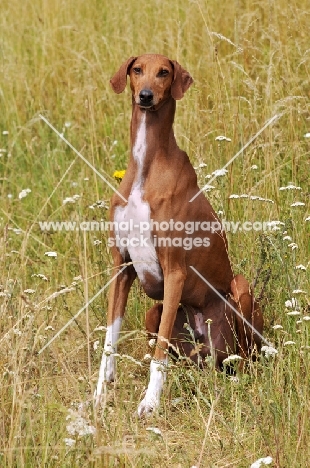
[{"x": 250, "y": 61}]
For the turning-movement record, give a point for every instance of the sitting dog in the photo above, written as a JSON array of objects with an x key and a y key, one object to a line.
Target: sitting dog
[{"x": 157, "y": 197}]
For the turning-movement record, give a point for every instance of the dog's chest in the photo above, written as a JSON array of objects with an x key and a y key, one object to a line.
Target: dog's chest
[{"x": 133, "y": 221}]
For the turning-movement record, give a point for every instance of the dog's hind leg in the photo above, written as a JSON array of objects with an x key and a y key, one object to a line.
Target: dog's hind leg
[{"x": 248, "y": 337}]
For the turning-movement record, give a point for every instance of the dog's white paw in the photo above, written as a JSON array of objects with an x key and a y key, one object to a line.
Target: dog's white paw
[
  {"x": 107, "y": 367},
  {"x": 152, "y": 397},
  {"x": 148, "y": 405},
  {"x": 106, "y": 374}
]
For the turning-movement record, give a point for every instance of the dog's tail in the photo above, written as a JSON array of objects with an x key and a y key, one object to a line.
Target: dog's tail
[{"x": 249, "y": 338}]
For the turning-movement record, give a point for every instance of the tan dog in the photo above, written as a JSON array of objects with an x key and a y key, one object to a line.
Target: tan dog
[{"x": 155, "y": 193}]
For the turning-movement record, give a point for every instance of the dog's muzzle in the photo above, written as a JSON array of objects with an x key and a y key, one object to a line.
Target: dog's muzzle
[{"x": 146, "y": 97}]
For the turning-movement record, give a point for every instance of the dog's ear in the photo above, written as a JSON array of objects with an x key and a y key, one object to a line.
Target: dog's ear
[
  {"x": 181, "y": 81},
  {"x": 118, "y": 82}
]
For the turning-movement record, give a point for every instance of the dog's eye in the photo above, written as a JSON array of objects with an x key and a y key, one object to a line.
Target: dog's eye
[
  {"x": 137, "y": 70},
  {"x": 163, "y": 72}
]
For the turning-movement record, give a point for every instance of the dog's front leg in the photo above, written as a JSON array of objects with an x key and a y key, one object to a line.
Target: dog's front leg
[
  {"x": 173, "y": 286},
  {"x": 118, "y": 295}
]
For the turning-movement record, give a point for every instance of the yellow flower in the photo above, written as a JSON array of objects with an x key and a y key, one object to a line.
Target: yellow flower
[{"x": 118, "y": 175}]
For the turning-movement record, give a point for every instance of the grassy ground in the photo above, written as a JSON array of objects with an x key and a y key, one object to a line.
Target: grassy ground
[{"x": 250, "y": 61}]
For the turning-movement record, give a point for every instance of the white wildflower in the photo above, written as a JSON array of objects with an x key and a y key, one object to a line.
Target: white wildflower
[
  {"x": 208, "y": 187},
  {"x": 97, "y": 242},
  {"x": 289, "y": 343},
  {"x": 71, "y": 199},
  {"x": 290, "y": 303},
  {"x": 293, "y": 245},
  {"x": 261, "y": 461},
  {"x": 78, "y": 278},
  {"x": 202, "y": 165},
  {"x": 29, "y": 291},
  {"x": 269, "y": 351},
  {"x": 232, "y": 358},
  {"x": 4, "y": 294},
  {"x": 219, "y": 172},
  {"x": 78, "y": 425},
  {"x": 24, "y": 193},
  {"x": 155, "y": 430},
  {"x": 288, "y": 238},
  {"x": 222, "y": 138},
  {"x": 147, "y": 357},
  {"x": 256, "y": 197},
  {"x": 307, "y": 135},
  {"x": 95, "y": 345},
  {"x": 298, "y": 203},
  {"x": 293, "y": 313},
  {"x": 39, "y": 275},
  {"x": 152, "y": 343},
  {"x": 67, "y": 124},
  {"x": 51, "y": 254},
  {"x": 68, "y": 200},
  {"x": 277, "y": 327},
  {"x": 254, "y": 167},
  {"x": 300, "y": 267},
  {"x": 290, "y": 187},
  {"x": 69, "y": 442},
  {"x": 99, "y": 204},
  {"x": 306, "y": 318},
  {"x": 308, "y": 218},
  {"x": 298, "y": 291},
  {"x": 234, "y": 196},
  {"x": 5, "y": 132}
]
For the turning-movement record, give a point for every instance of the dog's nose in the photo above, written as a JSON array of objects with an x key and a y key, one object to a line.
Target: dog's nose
[{"x": 146, "y": 97}]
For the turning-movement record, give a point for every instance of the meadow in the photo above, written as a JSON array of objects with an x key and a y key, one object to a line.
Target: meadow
[{"x": 250, "y": 61}]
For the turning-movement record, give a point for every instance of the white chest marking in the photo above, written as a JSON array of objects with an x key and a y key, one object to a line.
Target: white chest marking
[{"x": 138, "y": 244}]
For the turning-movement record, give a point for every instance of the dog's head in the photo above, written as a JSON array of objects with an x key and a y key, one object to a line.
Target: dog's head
[{"x": 153, "y": 78}]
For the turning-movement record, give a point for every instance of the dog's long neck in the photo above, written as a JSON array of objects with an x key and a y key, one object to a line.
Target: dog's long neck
[{"x": 152, "y": 134}]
